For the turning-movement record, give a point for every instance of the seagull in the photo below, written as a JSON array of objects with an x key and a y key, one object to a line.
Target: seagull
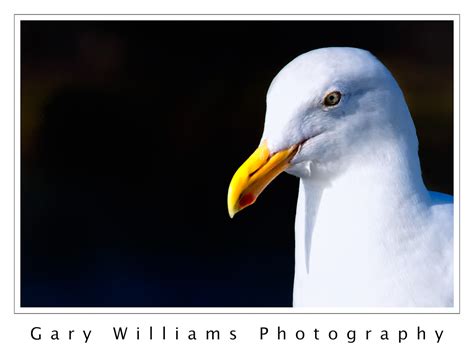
[{"x": 368, "y": 233}]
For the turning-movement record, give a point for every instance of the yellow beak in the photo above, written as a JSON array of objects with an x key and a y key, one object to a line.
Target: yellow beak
[{"x": 255, "y": 174}]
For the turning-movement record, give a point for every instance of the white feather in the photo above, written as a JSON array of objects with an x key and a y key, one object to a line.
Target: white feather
[{"x": 368, "y": 232}]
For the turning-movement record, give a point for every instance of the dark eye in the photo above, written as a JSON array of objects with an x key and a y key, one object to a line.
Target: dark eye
[{"x": 332, "y": 98}]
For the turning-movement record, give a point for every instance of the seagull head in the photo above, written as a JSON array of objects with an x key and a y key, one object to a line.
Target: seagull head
[{"x": 325, "y": 108}]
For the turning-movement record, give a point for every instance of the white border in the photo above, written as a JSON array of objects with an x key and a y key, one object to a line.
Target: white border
[{"x": 258, "y": 310}]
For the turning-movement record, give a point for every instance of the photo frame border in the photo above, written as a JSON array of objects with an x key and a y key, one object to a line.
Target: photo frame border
[{"x": 17, "y": 309}]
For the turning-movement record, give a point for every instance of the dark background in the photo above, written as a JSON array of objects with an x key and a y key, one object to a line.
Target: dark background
[{"x": 131, "y": 132}]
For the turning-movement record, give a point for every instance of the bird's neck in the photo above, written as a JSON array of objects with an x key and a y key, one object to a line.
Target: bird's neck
[
  {"x": 348, "y": 215},
  {"x": 378, "y": 183}
]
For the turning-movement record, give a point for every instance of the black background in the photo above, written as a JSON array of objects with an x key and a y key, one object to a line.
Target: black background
[{"x": 131, "y": 132}]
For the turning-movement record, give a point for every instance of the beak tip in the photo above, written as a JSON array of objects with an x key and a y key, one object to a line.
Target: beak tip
[{"x": 232, "y": 212}]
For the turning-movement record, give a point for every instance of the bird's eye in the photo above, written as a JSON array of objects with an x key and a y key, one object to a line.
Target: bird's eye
[{"x": 332, "y": 98}]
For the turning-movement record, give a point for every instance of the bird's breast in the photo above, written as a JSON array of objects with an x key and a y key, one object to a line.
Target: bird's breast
[{"x": 357, "y": 245}]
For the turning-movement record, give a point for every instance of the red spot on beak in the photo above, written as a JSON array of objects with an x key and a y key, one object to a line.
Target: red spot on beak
[{"x": 247, "y": 199}]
